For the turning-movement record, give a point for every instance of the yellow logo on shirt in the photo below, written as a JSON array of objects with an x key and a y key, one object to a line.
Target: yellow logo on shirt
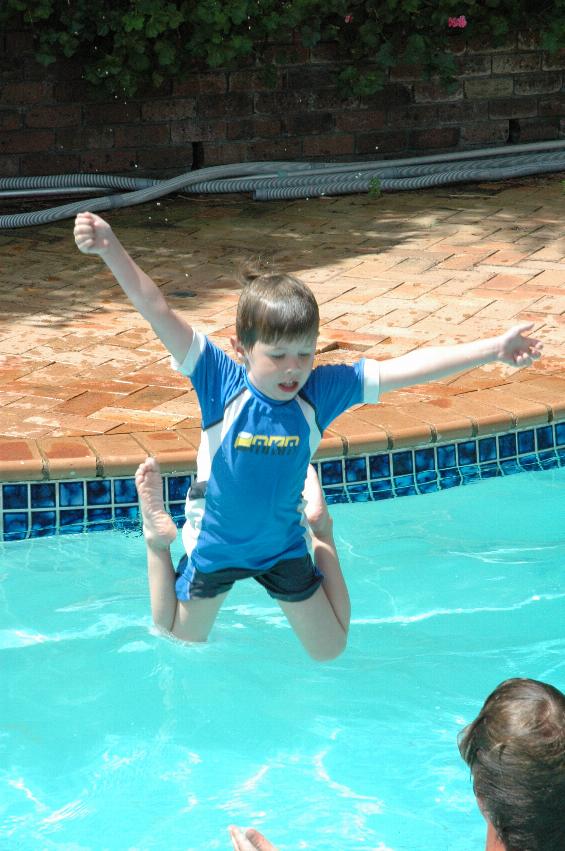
[{"x": 278, "y": 444}]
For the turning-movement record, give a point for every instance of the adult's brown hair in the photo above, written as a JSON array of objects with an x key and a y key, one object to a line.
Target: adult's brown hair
[{"x": 515, "y": 749}]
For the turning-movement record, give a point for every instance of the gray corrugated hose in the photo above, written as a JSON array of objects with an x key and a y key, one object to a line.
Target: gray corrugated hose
[{"x": 285, "y": 180}]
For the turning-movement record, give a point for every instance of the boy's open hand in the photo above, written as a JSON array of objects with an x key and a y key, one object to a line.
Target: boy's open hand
[
  {"x": 516, "y": 348},
  {"x": 92, "y": 234}
]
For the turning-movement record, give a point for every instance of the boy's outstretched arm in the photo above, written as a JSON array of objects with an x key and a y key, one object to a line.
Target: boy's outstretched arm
[
  {"x": 95, "y": 236},
  {"x": 432, "y": 362}
]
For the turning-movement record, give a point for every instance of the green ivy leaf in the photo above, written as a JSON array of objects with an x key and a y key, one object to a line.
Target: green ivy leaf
[
  {"x": 370, "y": 35},
  {"x": 554, "y": 38},
  {"x": 310, "y": 36},
  {"x": 133, "y": 21},
  {"x": 139, "y": 61},
  {"x": 385, "y": 55},
  {"x": 45, "y": 58},
  {"x": 238, "y": 12},
  {"x": 353, "y": 82},
  {"x": 40, "y": 12},
  {"x": 165, "y": 52},
  {"x": 415, "y": 49}
]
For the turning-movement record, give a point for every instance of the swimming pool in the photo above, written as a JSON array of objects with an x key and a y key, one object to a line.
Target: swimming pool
[{"x": 115, "y": 738}]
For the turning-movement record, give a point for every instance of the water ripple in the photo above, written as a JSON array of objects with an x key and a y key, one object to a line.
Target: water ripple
[
  {"x": 434, "y": 613},
  {"x": 72, "y": 810}
]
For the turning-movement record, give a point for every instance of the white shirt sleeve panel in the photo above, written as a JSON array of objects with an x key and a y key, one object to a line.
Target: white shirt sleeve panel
[
  {"x": 371, "y": 381},
  {"x": 310, "y": 417},
  {"x": 189, "y": 363}
]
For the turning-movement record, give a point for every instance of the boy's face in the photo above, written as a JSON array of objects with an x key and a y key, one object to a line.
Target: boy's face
[{"x": 279, "y": 370}]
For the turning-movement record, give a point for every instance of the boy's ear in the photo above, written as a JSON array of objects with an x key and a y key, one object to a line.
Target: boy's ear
[{"x": 238, "y": 349}]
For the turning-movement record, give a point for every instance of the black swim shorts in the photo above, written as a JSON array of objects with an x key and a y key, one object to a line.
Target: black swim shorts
[{"x": 290, "y": 580}]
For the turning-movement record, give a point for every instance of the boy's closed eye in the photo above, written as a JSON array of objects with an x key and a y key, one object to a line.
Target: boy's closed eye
[{"x": 278, "y": 356}]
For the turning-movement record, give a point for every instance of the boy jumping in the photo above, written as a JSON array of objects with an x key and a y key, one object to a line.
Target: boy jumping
[{"x": 256, "y": 508}]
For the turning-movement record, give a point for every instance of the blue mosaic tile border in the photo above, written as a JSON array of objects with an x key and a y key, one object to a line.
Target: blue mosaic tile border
[
  {"x": 433, "y": 468},
  {"x": 36, "y": 509}
]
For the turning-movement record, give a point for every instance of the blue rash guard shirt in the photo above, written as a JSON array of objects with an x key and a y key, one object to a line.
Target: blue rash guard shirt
[{"x": 254, "y": 454}]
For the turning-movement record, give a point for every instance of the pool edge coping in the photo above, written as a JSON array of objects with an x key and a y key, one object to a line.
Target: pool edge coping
[{"x": 352, "y": 434}]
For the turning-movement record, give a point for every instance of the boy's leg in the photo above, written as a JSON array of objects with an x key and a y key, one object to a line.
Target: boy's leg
[
  {"x": 322, "y": 621},
  {"x": 191, "y": 620},
  {"x": 195, "y": 618},
  {"x": 325, "y": 553},
  {"x": 314, "y": 622}
]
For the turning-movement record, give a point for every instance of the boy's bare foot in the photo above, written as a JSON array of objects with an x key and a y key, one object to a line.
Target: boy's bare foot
[{"x": 158, "y": 526}]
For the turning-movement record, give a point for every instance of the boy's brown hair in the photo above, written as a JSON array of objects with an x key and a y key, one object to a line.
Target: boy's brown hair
[
  {"x": 515, "y": 749},
  {"x": 274, "y": 306}
]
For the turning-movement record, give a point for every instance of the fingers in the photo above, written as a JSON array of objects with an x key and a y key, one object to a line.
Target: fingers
[
  {"x": 84, "y": 241},
  {"x": 522, "y": 359},
  {"x": 238, "y": 839},
  {"x": 526, "y": 357},
  {"x": 260, "y": 842},
  {"x": 535, "y": 348},
  {"x": 250, "y": 840},
  {"x": 86, "y": 216},
  {"x": 534, "y": 345},
  {"x": 519, "y": 349},
  {"x": 84, "y": 232},
  {"x": 83, "y": 220}
]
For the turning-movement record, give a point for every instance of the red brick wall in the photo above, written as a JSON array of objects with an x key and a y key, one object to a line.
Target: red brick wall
[{"x": 51, "y": 123}]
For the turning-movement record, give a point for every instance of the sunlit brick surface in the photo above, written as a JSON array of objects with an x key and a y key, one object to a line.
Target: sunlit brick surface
[{"x": 86, "y": 389}]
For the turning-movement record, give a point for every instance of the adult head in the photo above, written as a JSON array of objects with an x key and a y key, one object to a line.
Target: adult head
[{"x": 515, "y": 749}]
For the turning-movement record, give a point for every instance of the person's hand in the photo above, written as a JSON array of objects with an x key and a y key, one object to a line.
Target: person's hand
[
  {"x": 516, "y": 348},
  {"x": 250, "y": 840},
  {"x": 92, "y": 234}
]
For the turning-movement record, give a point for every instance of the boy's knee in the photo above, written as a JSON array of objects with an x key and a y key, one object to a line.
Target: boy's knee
[
  {"x": 328, "y": 653},
  {"x": 320, "y": 521}
]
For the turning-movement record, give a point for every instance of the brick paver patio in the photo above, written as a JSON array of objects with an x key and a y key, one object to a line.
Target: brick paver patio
[{"x": 86, "y": 388}]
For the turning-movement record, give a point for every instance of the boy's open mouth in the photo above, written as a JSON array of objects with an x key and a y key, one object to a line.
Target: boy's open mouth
[{"x": 292, "y": 387}]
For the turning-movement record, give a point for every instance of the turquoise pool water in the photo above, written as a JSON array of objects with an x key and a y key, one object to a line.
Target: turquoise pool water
[{"x": 115, "y": 738}]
